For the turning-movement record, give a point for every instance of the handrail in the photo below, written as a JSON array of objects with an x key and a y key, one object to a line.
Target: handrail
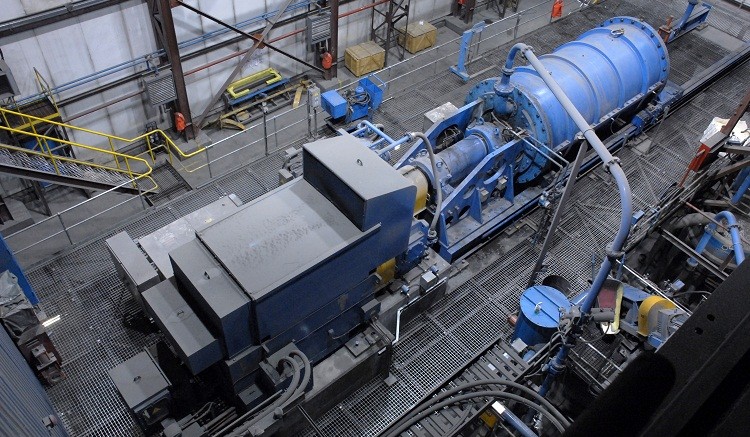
[
  {"x": 433, "y": 56},
  {"x": 171, "y": 145},
  {"x": 46, "y": 152}
]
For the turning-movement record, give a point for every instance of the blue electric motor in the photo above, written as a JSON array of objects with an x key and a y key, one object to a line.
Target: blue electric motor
[
  {"x": 355, "y": 103},
  {"x": 539, "y": 316}
]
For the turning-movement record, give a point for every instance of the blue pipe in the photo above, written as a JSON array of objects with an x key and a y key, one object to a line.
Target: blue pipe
[
  {"x": 376, "y": 130},
  {"x": 513, "y": 420},
  {"x": 626, "y": 204},
  {"x": 743, "y": 186},
  {"x": 686, "y": 15},
  {"x": 508, "y": 69},
  {"x": 394, "y": 144},
  {"x": 734, "y": 231}
]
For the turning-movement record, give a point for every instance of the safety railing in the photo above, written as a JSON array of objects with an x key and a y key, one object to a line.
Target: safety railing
[
  {"x": 45, "y": 150},
  {"x": 273, "y": 134},
  {"x": 399, "y": 78}
]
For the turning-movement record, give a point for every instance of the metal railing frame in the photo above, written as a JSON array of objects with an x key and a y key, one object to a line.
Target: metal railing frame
[{"x": 495, "y": 34}]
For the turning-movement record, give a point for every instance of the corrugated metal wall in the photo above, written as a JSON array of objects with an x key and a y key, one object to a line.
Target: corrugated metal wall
[
  {"x": 81, "y": 46},
  {"x": 23, "y": 402}
]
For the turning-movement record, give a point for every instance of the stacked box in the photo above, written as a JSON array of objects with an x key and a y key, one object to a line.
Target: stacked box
[
  {"x": 364, "y": 58},
  {"x": 417, "y": 36}
]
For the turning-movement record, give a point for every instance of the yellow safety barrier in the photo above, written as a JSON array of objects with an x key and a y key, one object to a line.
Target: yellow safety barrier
[
  {"x": 171, "y": 147},
  {"x": 44, "y": 149},
  {"x": 237, "y": 85}
]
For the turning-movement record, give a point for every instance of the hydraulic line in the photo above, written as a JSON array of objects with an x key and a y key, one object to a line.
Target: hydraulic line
[
  {"x": 432, "y": 233},
  {"x": 242, "y": 429},
  {"x": 456, "y": 390},
  {"x": 306, "y": 368},
  {"x": 411, "y": 420}
]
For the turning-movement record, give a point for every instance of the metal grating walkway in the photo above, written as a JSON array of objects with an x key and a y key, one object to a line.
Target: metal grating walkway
[{"x": 82, "y": 287}]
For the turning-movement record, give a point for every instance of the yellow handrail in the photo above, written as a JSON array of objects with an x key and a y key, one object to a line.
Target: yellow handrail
[
  {"x": 87, "y": 163},
  {"x": 46, "y": 151},
  {"x": 171, "y": 146}
]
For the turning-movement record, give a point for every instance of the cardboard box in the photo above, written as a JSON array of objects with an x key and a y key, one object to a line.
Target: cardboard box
[
  {"x": 417, "y": 36},
  {"x": 364, "y": 58}
]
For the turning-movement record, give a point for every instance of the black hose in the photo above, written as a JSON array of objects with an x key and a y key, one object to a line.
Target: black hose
[
  {"x": 307, "y": 372},
  {"x": 544, "y": 402},
  {"x": 488, "y": 393},
  {"x": 245, "y": 427}
]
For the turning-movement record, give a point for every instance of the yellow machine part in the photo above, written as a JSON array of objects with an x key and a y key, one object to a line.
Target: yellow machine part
[
  {"x": 419, "y": 180},
  {"x": 489, "y": 419},
  {"x": 387, "y": 270},
  {"x": 651, "y": 305},
  {"x": 235, "y": 88}
]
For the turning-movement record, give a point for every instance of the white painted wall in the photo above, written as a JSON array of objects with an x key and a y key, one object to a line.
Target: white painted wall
[{"x": 80, "y": 46}]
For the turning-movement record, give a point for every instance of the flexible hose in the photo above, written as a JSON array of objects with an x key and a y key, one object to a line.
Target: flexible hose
[
  {"x": 307, "y": 372},
  {"x": 544, "y": 402},
  {"x": 432, "y": 233},
  {"x": 487, "y": 393},
  {"x": 587, "y": 299},
  {"x": 245, "y": 427}
]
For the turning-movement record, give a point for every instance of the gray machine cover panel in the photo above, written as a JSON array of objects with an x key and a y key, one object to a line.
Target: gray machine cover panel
[
  {"x": 363, "y": 186},
  {"x": 221, "y": 299},
  {"x": 159, "y": 243},
  {"x": 194, "y": 343},
  {"x": 291, "y": 251},
  {"x": 131, "y": 262},
  {"x": 139, "y": 380},
  {"x": 279, "y": 236}
]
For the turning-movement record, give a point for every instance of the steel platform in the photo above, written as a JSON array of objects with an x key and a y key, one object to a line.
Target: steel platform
[{"x": 82, "y": 287}]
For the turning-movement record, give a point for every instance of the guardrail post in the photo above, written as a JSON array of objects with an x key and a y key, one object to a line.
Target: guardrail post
[
  {"x": 112, "y": 148},
  {"x": 140, "y": 194},
  {"x": 275, "y": 135},
  {"x": 62, "y": 223},
  {"x": 208, "y": 162},
  {"x": 264, "y": 107}
]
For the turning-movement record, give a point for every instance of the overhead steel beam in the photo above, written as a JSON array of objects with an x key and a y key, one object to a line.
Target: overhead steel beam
[
  {"x": 252, "y": 37},
  {"x": 258, "y": 42},
  {"x": 70, "y": 10}
]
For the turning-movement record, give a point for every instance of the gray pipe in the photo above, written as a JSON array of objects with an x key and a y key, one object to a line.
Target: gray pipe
[
  {"x": 432, "y": 233},
  {"x": 693, "y": 219},
  {"x": 626, "y": 201}
]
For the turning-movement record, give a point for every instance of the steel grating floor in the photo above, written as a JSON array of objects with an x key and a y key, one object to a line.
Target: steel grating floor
[{"x": 81, "y": 284}]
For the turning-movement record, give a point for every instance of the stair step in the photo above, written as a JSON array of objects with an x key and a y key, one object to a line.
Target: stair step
[{"x": 65, "y": 168}]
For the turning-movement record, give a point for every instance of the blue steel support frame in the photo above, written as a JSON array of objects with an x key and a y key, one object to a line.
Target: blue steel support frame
[{"x": 460, "y": 68}]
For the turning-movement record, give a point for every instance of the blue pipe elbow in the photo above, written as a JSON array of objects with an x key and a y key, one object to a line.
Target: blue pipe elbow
[{"x": 734, "y": 232}]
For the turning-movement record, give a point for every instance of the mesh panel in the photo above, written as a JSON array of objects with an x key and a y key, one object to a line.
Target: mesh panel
[{"x": 81, "y": 285}]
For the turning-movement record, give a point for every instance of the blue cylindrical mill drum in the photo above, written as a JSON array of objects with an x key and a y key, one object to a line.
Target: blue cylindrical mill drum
[{"x": 602, "y": 71}]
